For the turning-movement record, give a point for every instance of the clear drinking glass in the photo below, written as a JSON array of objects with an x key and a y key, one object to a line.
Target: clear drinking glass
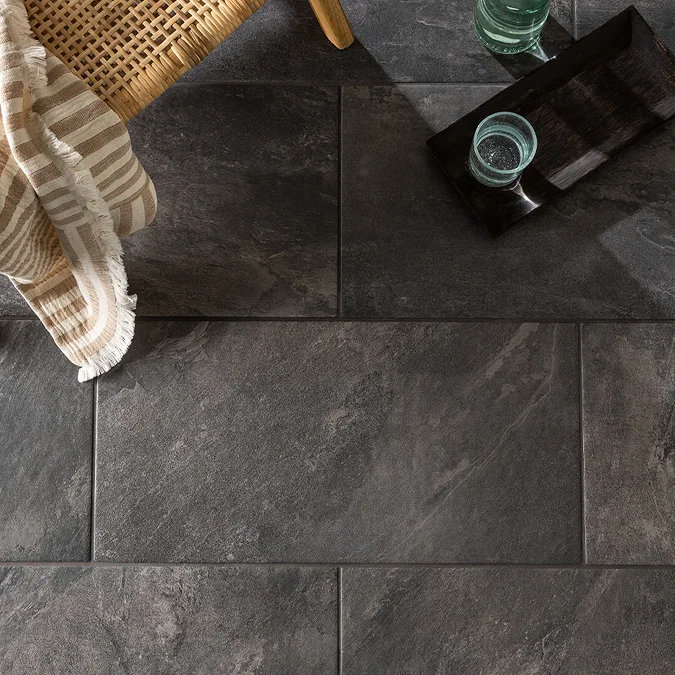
[
  {"x": 510, "y": 26},
  {"x": 503, "y": 145}
]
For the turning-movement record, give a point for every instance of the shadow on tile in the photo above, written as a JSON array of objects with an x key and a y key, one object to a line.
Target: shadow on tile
[
  {"x": 554, "y": 39},
  {"x": 248, "y": 221},
  {"x": 247, "y": 174},
  {"x": 246, "y": 177},
  {"x": 413, "y": 41},
  {"x": 659, "y": 15},
  {"x": 411, "y": 249}
]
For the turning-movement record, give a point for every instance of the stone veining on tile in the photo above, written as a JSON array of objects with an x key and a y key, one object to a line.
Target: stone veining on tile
[
  {"x": 167, "y": 620},
  {"x": 326, "y": 442},
  {"x": 354, "y": 442},
  {"x": 629, "y": 435},
  {"x": 45, "y": 446},
  {"x": 487, "y": 620},
  {"x": 247, "y": 218},
  {"x": 411, "y": 249}
]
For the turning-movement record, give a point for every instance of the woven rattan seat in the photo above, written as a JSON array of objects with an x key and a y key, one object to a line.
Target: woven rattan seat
[{"x": 130, "y": 51}]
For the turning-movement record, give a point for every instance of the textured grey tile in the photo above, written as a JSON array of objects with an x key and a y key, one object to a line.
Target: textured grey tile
[
  {"x": 659, "y": 14},
  {"x": 167, "y": 620},
  {"x": 417, "y": 40},
  {"x": 629, "y": 441},
  {"x": 581, "y": 622},
  {"x": 303, "y": 441},
  {"x": 411, "y": 249},
  {"x": 247, "y": 186},
  {"x": 11, "y": 303},
  {"x": 45, "y": 446}
]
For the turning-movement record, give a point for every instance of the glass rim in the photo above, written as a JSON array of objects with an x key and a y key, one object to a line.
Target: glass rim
[{"x": 524, "y": 161}]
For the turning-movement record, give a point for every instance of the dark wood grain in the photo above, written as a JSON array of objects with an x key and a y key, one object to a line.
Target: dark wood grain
[{"x": 598, "y": 96}]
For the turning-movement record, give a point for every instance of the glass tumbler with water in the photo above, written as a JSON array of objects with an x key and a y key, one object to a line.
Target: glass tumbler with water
[
  {"x": 510, "y": 26},
  {"x": 503, "y": 145}
]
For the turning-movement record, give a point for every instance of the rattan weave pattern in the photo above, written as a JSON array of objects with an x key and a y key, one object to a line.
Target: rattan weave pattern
[{"x": 130, "y": 51}]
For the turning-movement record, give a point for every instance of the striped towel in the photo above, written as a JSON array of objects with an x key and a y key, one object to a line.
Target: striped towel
[{"x": 70, "y": 187}]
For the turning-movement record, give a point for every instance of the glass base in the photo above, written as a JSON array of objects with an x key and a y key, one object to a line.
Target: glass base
[
  {"x": 504, "y": 47},
  {"x": 500, "y": 48},
  {"x": 491, "y": 182}
]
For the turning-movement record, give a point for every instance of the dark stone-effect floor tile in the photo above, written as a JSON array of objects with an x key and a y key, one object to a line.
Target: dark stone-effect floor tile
[
  {"x": 45, "y": 449},
  {"x": 167, "y": 620},
  {"x": 417, "y": 40},
  {"x": 411, "y": 249},
  {"x": 11, "y": 303},
  {"x": 581, "y": 622},
  {"x": 321, "y": 442},
  {"x": 247, "y": 186},
  {"x": 659, "y": 14},
  {"x": 629, "y": 443}
]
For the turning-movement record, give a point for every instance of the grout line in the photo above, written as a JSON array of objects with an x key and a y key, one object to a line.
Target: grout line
[
  {"x": 360, "y": 319},
  {"x": 574, "y": 20},
  {"x": 338, "y": 261},
  {"x": 331, "y": 566},
  {"x": 94, "y": 429},
  {"x": 393, "y": 319},
  {"x": 339, "y": 620},
  {"x": 582, "y": 459},
  {"x": 337, "y": 83}
]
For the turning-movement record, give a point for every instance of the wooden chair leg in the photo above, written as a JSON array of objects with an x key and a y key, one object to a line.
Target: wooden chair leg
[{"x": 333, "y": 22}]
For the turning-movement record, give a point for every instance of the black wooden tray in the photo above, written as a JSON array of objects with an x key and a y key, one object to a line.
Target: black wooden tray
[{"x": 588, "y": 103}]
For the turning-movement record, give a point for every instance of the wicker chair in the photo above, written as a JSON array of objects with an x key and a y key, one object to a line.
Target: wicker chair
[{"x": 130, "y": 51}]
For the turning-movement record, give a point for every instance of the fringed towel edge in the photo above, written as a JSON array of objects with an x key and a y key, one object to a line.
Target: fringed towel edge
[{"x": 84, "y": 186}]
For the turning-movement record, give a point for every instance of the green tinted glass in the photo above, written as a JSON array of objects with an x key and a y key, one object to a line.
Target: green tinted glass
[{"x": 510, "y": 26}]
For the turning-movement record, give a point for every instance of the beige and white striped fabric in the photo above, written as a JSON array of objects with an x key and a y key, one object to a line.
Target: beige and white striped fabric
[{"x": 70, "y": 187}]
